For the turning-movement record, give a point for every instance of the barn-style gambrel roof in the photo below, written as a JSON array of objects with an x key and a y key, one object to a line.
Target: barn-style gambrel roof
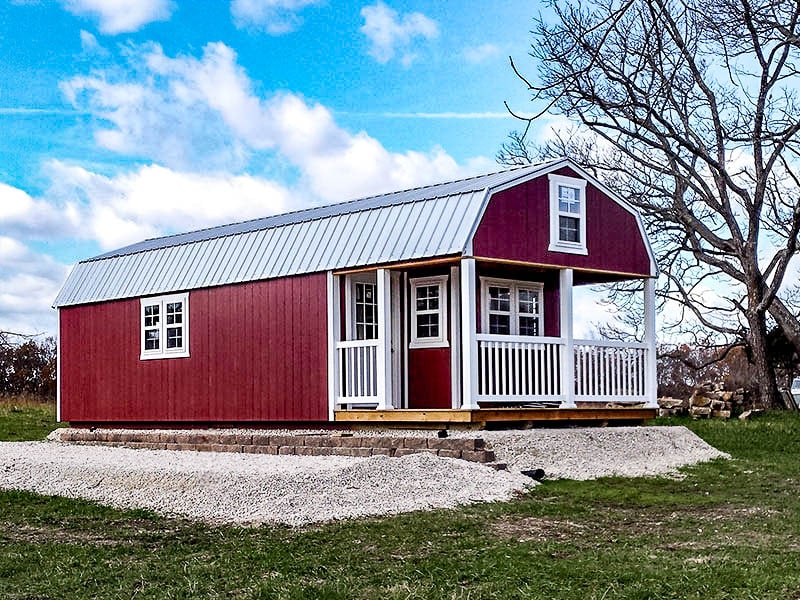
[{"x": 425, "y": 222}]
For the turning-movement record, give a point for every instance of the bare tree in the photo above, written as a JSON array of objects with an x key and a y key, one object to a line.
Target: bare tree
[{"x": 692, "y": 113}]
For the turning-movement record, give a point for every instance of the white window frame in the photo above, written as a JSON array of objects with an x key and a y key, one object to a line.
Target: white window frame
[
  {"x": 514, "y": 285},
  {"x": 163, "y": 351},
  {"x": 350, "y": 299},
  {"x": 556, "y": 243},
  {"x": 429, "y": 342}
]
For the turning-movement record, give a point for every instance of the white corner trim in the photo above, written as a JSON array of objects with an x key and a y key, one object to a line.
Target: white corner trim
[
  {"x": 58, "y": 366},
  {"x": 333, "y": 328},
  {"x": 469, "y": 331},
  {"x": 455, "y": 337}
]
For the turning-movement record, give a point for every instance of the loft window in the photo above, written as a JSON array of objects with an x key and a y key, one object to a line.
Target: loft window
[
  {"x": 512, "y": 307},
  {"x": 567, "y": 214},
  {"x": 165, "y": 327},
  {"x": 428, "y": 312}
]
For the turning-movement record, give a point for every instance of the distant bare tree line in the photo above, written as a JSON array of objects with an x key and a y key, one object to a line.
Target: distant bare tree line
[{"x": 27, "y": 366}]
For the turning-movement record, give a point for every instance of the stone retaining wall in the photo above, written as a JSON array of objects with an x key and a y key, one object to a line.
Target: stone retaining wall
[
  {"x": 709, "y": 400},
  {"x": 471, "y": 449}
]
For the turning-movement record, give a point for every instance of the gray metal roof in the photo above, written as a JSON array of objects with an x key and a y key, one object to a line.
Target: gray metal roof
[{"x": 435, "y": 220}]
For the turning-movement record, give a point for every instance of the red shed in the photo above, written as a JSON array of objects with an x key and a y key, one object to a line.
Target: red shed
[{"x": 453, "y": 297}]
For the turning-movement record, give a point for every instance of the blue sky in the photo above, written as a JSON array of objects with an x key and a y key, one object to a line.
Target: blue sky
[{"x": 128, "y": 119}]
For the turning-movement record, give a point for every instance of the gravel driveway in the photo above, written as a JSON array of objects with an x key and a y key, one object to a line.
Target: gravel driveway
[{"x": 297, "y": 490}]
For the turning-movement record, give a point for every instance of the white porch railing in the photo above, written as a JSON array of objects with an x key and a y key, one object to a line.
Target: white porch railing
[
  {"x": 528, "y": 369},
  {"x": 607, "y": 370},
  {"x": 518, "y": 368},
  {"x": 358, "y": 372}
]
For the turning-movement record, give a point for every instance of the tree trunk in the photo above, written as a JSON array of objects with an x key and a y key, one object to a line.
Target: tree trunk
[{"x": 765, "y": 374}]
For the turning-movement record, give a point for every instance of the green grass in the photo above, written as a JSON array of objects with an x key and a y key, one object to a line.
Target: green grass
[
  {"x": 23, "y": 419},
  {"x": 726, "y": 529}
]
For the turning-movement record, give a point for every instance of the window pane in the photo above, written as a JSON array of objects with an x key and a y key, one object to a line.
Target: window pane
[
  {"x": 567, "y": 193},
  {"x": 500, "y": 324},
  {"x": 528, "y": 326},
  {"x": 151, "y": 315},
  {"x": 366, "y": 311},
  {"x": 568, "y": 229},
  {"x": 433, "y": 299},
  {"x": 428, "y": 297},
  {"x": 528, "y": 302},
  {"x": 151, "y": 339},
  {"x": 428, "y": 326},
  {"x": 500, "y": 298},
  {"x": 174, "y": 337}
]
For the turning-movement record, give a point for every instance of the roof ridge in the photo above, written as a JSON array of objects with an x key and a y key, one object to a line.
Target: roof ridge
[{"x": 232, "y": 227}]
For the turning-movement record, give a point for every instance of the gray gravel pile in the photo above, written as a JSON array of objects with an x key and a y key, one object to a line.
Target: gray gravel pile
[
  {"x": 599, "y": 452},
  {"x": 252, "y": 489}
]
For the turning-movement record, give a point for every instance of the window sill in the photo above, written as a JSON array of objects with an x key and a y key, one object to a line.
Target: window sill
[
  {"x": 568, "y": 249},
  {"x": 432, "y": 344},
  {"x": 162, "y": 355}
]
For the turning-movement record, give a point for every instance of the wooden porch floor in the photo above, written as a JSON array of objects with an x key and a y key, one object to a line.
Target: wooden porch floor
[{"x": 483, "y": 417}]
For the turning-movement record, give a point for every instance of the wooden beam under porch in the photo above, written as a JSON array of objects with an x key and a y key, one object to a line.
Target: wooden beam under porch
[{"x": 485, "y": 417}]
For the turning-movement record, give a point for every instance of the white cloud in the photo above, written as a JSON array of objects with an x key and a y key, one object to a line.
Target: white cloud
[
  {"x": 90, "y": 45},
  {"x": 478, "y": 54},
  {"x": 21, "y": 215},
  {"x": 276, "y": 17},
  {"x": 180, "y": 108},
  {"x": 154, "y": 200},
  {"x": 29, "y": 281},
  {"x": 121, "y": 16},
  {"x": 389, "y": 33}
]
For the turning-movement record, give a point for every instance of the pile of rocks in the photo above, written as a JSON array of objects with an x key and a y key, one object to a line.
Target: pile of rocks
[{"x": 709, "y": 400}]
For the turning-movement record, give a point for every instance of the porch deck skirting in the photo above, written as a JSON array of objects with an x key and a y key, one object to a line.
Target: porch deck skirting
[{"x": 517, "y": 369}]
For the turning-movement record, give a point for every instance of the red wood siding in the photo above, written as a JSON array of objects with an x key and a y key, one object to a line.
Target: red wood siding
[
  {"x": 258, "y": 353},
  {"x": 429, "y": 378},
  {"x": 516, "y": 226}
]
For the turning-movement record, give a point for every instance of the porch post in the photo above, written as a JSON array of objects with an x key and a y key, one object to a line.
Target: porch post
[
  {"x": 469, "y": 343},
  {"x": 384, "y": 350},
  {"x": 333, "y": 337},
  {"x": 567, "y": 349},
  {"x": 651, "y": 376},
  {"x": 455, "y": 337}
]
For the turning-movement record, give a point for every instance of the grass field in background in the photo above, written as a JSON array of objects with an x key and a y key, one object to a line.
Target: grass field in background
[
  {"x": 25, "y": 419},
  {"x": 726, "y": 529}
]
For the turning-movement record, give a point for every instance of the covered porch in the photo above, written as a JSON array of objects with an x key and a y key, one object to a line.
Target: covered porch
[{"x": 495, "y": 338}]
